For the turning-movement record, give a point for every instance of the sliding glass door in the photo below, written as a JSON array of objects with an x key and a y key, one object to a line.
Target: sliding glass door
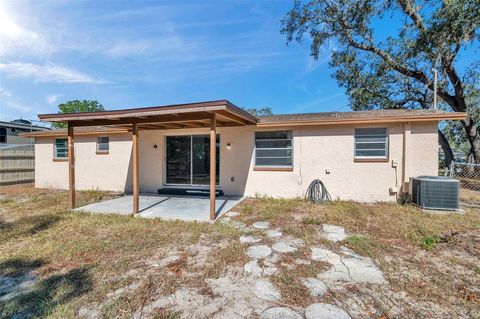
[{"x": 188, "y": 160}]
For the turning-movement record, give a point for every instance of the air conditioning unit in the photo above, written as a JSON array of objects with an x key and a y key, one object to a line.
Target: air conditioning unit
[{"x": 435, "y": 192}]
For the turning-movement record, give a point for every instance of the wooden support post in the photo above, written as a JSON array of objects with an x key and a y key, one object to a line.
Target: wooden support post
[
  {"x": 71, "y": 165},
  {"x": 136, "y": 188},
  {"x": 213, "y": 164}
]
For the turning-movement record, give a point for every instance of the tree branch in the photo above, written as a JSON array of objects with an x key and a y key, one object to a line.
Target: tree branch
[
  {"x": 409, "y": 9},
  {"x": 416, "y": 74}
]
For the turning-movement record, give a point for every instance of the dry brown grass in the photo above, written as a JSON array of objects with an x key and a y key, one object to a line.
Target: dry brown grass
[
  {"x": 289, "y": 281},
  {"x": 431, "y": 257},
  {"x": 83, "y": 252},
  {"x": 80, "y": 259}
]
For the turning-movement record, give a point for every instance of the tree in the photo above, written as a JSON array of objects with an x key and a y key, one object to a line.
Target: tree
[
  {"x": 391, "y": 66},
  {"x": 77, "y": 106},
  {"x": 264, "y": 111}
]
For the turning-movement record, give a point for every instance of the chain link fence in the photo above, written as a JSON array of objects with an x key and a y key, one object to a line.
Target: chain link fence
[{"x": 469, "y": 177}]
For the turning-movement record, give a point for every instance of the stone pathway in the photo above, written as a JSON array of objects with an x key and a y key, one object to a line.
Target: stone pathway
[
  {"x": 258, "y": 251},
  {"x": 232, "y": 214},
  {"x": 325, "y": 311},
  {"x": 347, "y": 266},
  {"x": 249, "y": 239},
  {"x": 334, "y": 233},
  {"x": 280, "y": 313},
  {"x": 273, "y": 233},
  {"x": 266, "y": 290},
  {"x": 284, "y": 248},
  {"x": 315, "y": 286},
  {"x": 261, "y": 225}
]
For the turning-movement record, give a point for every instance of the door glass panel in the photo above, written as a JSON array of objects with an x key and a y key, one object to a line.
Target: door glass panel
[
  {"x": 178, "y": 160},
  {"x": 201, "y": 160}
]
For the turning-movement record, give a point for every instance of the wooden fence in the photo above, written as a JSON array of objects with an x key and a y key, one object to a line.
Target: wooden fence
[{"x": 17, "y": 165}]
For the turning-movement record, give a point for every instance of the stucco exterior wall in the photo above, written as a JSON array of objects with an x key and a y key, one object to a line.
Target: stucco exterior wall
[
  {"x": 106, "y": 172},
  {"x": 323, "y": 152}
]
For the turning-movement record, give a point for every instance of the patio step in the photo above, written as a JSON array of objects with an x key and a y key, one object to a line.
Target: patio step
[{"x": 188, "y": 191}]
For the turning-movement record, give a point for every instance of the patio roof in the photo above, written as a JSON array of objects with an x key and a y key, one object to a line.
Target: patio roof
[{"x": 175, "y": 116}]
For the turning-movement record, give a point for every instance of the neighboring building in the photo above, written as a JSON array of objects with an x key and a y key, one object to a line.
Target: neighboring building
[
  {"x": 9, "y": 131},
  {"x": 366, "y": 156}
]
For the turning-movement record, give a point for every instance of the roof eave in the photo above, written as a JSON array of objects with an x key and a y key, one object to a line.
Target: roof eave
[
  {"x": 63, "y": 133},
  {"x": 371, "y": 120},
  {"x": 210, "y": 106}
]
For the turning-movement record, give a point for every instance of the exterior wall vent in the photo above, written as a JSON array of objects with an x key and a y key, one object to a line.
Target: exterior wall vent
[{"x": 435, "y": 192}]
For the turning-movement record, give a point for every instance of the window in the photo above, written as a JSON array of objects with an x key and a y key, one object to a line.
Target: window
[
  {"x": 371, "y": 143},
  {"x": 61, "y": 148},
  {"x": 103, "y": 144},
  {"x": 273, "y": 149},
  {"x": 3, "y": 135}
]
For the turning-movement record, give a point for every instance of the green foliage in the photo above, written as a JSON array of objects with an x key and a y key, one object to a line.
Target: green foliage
[
  {"x": 392, "y": 67},
  {"x": 454, "y": 130},
  {"x": 429, "y": 242},
  {"x": 77, "y": 106},
  {"x": 264, "y": 111},
  {"x": 404, "y": 199}
]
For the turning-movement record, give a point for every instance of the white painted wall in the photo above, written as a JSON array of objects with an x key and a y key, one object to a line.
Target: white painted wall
[
  {"x": 107, "y": 172},
  {"x": 315, "y": 150}
]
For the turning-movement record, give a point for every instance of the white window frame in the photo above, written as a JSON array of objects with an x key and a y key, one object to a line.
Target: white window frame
[
  {"x": 371, "y": 157},
  {"x": 55, "y": 149},
  {"x": 99, "y": 151},
  {"x": 274, "y": 148}
]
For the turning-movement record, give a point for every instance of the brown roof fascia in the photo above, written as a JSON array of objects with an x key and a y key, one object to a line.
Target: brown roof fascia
[
  {"x": 60, "y": 133},
  {"x": 209, "y": 106},
  {"x": 370, "y": 120}
]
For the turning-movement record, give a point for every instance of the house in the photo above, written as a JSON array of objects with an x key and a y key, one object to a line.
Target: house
[
  {"x": 364, "y": 156},
  {"x": 9, "y": 131}
]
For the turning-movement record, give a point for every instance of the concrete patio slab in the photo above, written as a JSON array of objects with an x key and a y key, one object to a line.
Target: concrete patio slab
[{"x": 188, "y": 208}]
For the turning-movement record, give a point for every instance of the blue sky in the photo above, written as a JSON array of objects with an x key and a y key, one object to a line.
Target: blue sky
[{"x": 145, "y": 53}]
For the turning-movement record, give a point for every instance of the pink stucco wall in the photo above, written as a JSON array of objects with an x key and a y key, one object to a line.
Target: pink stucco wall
[{"x": 316, "y": 151}]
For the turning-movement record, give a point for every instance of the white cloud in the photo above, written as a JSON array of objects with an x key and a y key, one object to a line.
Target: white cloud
[
  {"x": 52, "y": 98},
  {"x": 16, "y": 39},
  {"x": 47, "y": 73},
  {"x": 5, "y": 93}
]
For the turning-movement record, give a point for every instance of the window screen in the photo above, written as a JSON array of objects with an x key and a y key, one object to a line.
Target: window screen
[
  {"x": 61, "y": 148},
  {"x": 273, "y": 148},
  {"x": 103, "y": 144},
  {"x": 371, "y": 143}
]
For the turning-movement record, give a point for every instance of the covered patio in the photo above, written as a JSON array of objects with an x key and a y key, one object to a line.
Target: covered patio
[
  {"x": 210, "y": 114},
  {"x": 187, "y": 208}
]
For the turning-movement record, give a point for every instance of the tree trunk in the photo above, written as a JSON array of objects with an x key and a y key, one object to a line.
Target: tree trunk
[
  {"x": 447, "y": 150},
  {"x": 473, "y": 137}
]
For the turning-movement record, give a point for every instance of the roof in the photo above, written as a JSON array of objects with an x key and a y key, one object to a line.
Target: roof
[
  {"x": 358, "y": 117},
  {"x": 165, "y": 113},
  {"x": 198, "y": 114},
  {"x": 25, "y": 126},
  {"x": 87, "y": 130}
]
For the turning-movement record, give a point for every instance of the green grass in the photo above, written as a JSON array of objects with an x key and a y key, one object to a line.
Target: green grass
[{"x": 429, "y": 242}]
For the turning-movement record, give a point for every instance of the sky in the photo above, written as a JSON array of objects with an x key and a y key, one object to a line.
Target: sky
[{"x": 145, "y": 53}]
